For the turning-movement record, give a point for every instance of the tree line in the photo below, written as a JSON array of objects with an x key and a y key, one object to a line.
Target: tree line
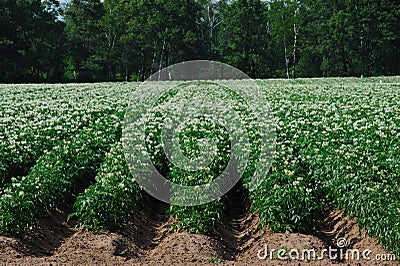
[{"x": 110, "y": 40}]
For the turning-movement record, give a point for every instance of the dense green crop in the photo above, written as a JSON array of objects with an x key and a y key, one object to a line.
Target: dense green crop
[
  {"x": 204, "y": 125},
  {"x": 58, "y": 172},
  {"x": 34, "y": 118},
  {"x": 115, "y": 195},
  {"x": 338, "y": 142}
]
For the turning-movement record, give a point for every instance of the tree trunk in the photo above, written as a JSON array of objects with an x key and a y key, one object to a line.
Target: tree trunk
[
  {"x": 167, "y": 61},
  {"x": 144, "y": 67},
  {"x": 294, "y": 50},
  {"x": 286, "y": 58},
  {"x": 161, "y": 61},
  {"x": 154, "y": 55},
  {"x": 210, "y": 25}
]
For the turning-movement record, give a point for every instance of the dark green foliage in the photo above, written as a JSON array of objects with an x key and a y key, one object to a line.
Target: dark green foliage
[
  {"x": 288, "y": 202},
  {"x": 32, "y": 41},
  {"x": 129, "y": 40},
  {"x": 198, "y": 219},
  {"x": 247, "y": 35},
  {"x": 115, "y": 195},
  {"x": 55, "y": 176}
]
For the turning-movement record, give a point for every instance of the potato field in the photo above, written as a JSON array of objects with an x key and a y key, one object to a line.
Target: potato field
[{"x": 62, "y": 165}]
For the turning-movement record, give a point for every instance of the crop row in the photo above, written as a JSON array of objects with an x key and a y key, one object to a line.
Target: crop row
[
  {"x": 112, "y": 198},
  {"x": 337, "y": 141},
  {"x": 34, "y": 118},
  {"x": 66, "y": 168}
]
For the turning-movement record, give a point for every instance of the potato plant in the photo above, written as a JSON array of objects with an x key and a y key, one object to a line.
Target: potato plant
[
  {"x": 113, "y": 197},
  {"x": 337, "y": 143},
  {"x": 66, "y": 168}
]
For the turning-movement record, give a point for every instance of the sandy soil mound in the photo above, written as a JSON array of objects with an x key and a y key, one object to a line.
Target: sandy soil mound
[
  {"x": 331, "y": 232},
  {"x": 148, "y": 239}
]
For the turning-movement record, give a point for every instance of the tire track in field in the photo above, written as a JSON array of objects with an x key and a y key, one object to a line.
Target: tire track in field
[
  {"x": 51, "y": 231},
  {"x": 239, "y": 227},
  {"x": 333, "y": 226},
  {"x": 144, "y": 230}
]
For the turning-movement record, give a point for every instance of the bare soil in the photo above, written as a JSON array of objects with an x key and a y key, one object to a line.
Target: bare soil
[{"x": 148, "y": 239}]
